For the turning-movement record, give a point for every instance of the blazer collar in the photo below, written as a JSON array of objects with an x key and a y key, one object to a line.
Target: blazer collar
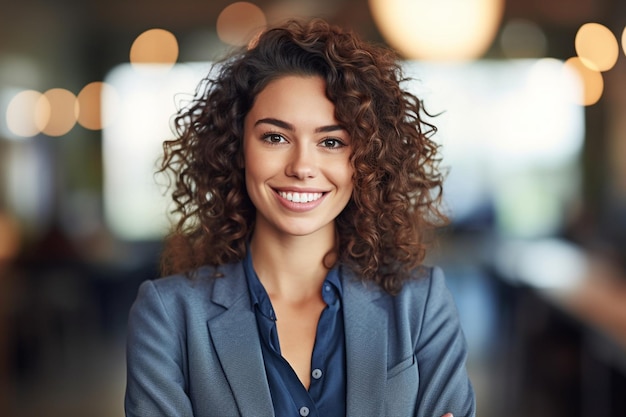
[
  {"x": 235, "y": 337},
  {"x": 366, "y": 346}
]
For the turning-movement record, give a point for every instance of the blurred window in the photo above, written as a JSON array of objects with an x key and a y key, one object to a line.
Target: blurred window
[{"x": 510, "y": 134}]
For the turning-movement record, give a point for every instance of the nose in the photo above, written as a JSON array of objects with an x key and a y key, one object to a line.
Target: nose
[{"x": 302, "y": 163}]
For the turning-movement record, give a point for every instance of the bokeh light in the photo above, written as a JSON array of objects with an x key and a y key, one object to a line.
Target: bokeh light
[
  {"x": 28, "y": 113},
  {"x": 239, "y": 22},
  {"x": 624, "y": 40},
  {"x": 154, "y": 46},
  {"x": 596, "y": 46},
  {"x": 63, "y": 111},
  {"x": 523, "y": 39},
  {"x": 90, "y": 115},
  {"x": 592, "y": 81},
  {"x": 441, "y": 30}
]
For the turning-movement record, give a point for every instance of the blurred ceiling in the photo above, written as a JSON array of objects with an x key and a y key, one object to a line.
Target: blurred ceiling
[{"x": 79, "y": 41}]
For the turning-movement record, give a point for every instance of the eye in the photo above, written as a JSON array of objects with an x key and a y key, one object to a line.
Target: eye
[
  {"x": 332, "y": 143},
  {"x": 274, "y": 138}
]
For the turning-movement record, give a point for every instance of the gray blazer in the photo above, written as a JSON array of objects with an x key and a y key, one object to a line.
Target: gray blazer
[{"x": 193, "y": 349}]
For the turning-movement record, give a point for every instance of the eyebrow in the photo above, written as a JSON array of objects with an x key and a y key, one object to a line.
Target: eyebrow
[{"x": 288, "y": 126}]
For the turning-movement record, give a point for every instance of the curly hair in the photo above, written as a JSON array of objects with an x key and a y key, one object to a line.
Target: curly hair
[{"x": 383, "y": 232}]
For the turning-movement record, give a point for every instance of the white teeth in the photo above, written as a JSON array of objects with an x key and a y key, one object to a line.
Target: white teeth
[{"x": 300, "y": 197}]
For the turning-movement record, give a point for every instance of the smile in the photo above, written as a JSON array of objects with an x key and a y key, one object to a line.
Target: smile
[{"x": 300, "y": 197}]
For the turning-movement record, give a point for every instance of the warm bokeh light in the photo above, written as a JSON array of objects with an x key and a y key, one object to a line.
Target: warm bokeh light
[
  {"x": 238, "y": 23},
  {"x": 438, "y": 30},
  {"x": 523, "y": 39},
  {"x": 592, "y": 81},
  {"x": 624, "y": 40},
  {"x": 63, "y": 111},
  {"x": 154, "y": 46},
  {"x": 596, "y": 46},
  {"x": 90, "y": 115},
  {"x": 9, "y": 237},
  {"x": 27, "y": 113}
]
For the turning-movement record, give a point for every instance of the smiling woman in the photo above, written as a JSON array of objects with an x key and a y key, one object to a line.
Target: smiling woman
[
  {"x": 298, "y": 287},
  {"x": 297, "y": 158}
]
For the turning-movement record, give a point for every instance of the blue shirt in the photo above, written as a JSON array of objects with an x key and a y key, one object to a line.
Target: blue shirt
[{"x": 327, "y": 391}]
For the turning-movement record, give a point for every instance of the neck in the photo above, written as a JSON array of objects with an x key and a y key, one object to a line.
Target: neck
[{"x": 291, "y": 266}]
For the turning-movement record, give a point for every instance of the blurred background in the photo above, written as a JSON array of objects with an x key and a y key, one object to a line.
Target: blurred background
[{"x": 532, "y": 96}]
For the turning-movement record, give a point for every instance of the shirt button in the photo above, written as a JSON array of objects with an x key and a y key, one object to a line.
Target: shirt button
[
  {"x": 317, "y": 373},
  {"x": 326, "y": 287},
  {"x": 304, "y": 411}
]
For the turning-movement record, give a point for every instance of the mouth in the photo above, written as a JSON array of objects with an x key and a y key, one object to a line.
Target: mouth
[{"x": 296, "y": 197}]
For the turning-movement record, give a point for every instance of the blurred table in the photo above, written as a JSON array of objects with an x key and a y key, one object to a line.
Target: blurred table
[{"x": 571, "y": 309}]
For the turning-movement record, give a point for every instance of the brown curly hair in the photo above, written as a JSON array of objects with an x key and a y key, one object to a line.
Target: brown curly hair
[{"x": 382, "y": 233}]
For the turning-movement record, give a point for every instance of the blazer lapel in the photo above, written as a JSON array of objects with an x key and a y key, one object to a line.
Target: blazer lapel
[
  {"x": 366, "y": 348},
  {"x": 235, "y": 337}
]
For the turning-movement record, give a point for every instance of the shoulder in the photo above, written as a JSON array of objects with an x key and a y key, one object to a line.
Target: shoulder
[
  {"x": 183, "y": 294},
  {"x": 427, "y": 294},
  {"x": 168, "y": 289},
  {"x": 423, "y": 300},
  {"x": 420, "y": 282},
  {"x": 425, "y": 290},
  {"x": 197, "y": 281},
  {"x": 183, "y": 284},
  {"x": 424, "y": 283}
]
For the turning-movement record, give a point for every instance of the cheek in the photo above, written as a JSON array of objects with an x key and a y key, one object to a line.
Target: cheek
[
  {"x": 349, "y": 177},
  {"x": 258, "y": 171}
]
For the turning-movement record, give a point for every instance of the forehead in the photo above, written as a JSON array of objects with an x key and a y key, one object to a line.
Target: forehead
[{"x": 290, "y": 94}]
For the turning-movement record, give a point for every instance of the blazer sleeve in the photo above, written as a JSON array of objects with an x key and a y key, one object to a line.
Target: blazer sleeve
[
  {"x": 441, "y": 354},
  {"x": 156, "y": 381}
]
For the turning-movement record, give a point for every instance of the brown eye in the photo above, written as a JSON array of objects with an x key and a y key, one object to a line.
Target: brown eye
[
  {"x": 274, "y": 138},
  {"x": 332, "y": 143}
]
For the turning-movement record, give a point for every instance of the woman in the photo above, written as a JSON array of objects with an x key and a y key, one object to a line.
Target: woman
[{"x": 306, "y": 184}]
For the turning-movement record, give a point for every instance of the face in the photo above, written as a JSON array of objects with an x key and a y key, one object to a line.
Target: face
[{"x": 298, "y": 173}]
